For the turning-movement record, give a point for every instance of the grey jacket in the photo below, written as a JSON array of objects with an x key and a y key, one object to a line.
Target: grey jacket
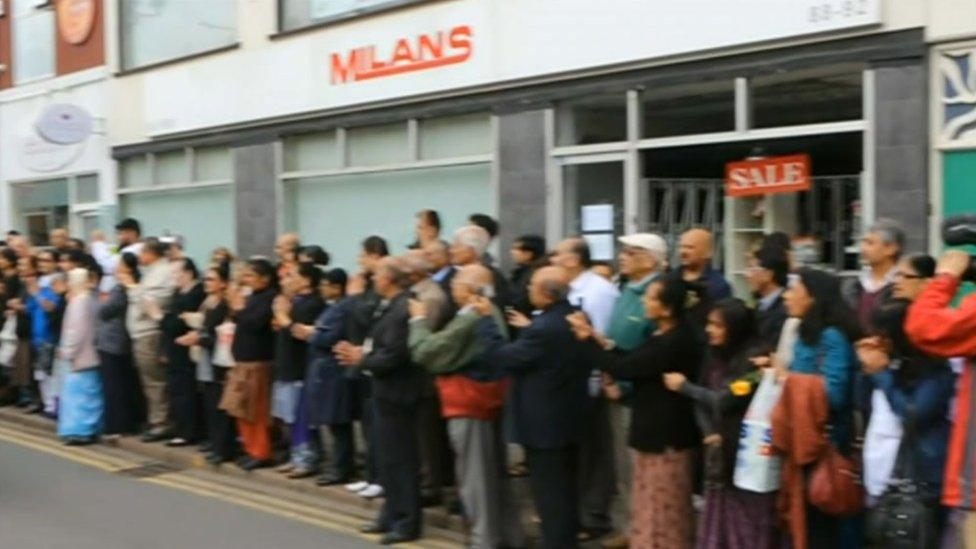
[
  {"x": 111, "y": 335},
  {"x": 157, "y": 284}
]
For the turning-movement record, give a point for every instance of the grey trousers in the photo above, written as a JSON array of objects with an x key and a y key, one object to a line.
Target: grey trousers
[
  {"x": 597, "y": 467},
  {"x": 620, "y": 423},
  {"x": 483, "y": 483},
  {"x": 145, "y": 351}
]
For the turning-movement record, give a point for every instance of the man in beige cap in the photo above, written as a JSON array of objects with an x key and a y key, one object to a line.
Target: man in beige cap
[{"x": 643, "y": 257}]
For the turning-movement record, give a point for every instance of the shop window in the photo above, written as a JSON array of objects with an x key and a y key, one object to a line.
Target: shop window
[
  {"x": 807, "y": 97},
  {"x": 212, "y": 164},
  {"x": 588, "y": 185},
  {"x": 148, "y": 28},
  {"x": 685, "y": 110},
  {"x": 314, "y": 151},
  {"x": 86, "y": 189},
  {"x": 40, "y": 207},
  {"x": 330, "y": 210},
  {"x": 134, "y": 172},
  {"x": 455, "y": 136},
  {"x": 598, "y": 119},
  {"x": 378, "y": 145},
  {"x": 33, "y": 41},
  {"x": 295, "y": 14},
  {"x": 171, "y": 167}
]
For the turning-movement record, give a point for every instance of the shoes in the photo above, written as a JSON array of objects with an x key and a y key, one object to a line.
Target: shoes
[
  {"x": 301, "y": 472},
  {"x": 397, "y": 537},
  {"x": 78, "y": 441},
  {"x": 251, "y": 464},
  {"x": 373, "y": 528},
  {"x": 112, "y": 439},
  {"x": 286, "y": 468},
  {"x": 329, "y": 479},
  {"x": 34, "y": 409},
  {"x": 372, "y": 491},
  {"x": 357, "y": 486},
  {"x": 215, "y": 459},
  {"x": 154, "y": 436},
  {"x": 177, "y": 442},
  {"x": 616, "y": 541}
]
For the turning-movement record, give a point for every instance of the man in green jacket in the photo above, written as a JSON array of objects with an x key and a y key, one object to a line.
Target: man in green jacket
[
  {"x": 472, "y": 401},
  {"x": 643, "y": 259}
]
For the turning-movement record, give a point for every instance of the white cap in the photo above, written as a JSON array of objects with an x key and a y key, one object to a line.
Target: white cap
[{"x": 647, "y": 241}]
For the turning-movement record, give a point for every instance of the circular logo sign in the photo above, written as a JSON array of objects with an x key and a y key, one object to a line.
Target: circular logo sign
[
  {"x": 64, "y": 124},
  {"x": 38, "y": 155},
  {"x": 76, "y": 18}
]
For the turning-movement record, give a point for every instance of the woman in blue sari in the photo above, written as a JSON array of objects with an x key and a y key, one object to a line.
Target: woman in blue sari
[{"x": 82, "y": 403}]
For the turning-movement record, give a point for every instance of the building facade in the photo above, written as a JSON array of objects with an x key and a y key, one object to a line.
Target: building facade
[{"x": 341, "y": 119}]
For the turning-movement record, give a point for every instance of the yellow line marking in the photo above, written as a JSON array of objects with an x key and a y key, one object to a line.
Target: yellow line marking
[
  {"x": 61, "y": 453},
  {"x": 57, "y": 447}
]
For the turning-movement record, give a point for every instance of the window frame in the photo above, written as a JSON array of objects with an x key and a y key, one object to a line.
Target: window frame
[
  {"x": 383, "y": 6},
  {"x": 32, "y": 11}
]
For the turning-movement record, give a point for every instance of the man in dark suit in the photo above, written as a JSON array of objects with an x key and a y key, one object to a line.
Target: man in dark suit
[
  {"x": 438, "y": 253},
  {"x": 397, "y": 389},
  {"x": 767, "y": 277},
  {"x": 547, "y": 399}
]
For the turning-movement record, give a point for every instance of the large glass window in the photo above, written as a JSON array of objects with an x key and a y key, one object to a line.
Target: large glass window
[
  {"x": 378, "y": 145},
  {"x": 806, "y": 97},
  {"x": 33, "y": 41},
  {"x": 684, "y": 110},
  {"x": 296, "y": 14},
  {"x": 314, "y": 151},
  {"x": 597, "y": 119},
  {"x": 455, "y": 136},
  {"x": 154, "y": 31},
  {"x": 205, "y": 165}
]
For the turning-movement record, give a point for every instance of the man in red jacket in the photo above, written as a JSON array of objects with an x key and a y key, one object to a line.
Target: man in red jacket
[
  {"x": 472, "y": 403},
  {"x": 937, "y": 328}
]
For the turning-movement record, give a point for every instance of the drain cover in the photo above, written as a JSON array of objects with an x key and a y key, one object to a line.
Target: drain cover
[{"x": 148, "y": 470}]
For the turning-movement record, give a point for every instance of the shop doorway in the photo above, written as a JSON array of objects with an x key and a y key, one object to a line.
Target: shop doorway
[{"x": 593, "y": 201}]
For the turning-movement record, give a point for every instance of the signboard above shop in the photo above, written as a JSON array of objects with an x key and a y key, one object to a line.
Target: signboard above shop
[
  {"x": 771, "y": 175},
  {"x": 64, "y": 124}
]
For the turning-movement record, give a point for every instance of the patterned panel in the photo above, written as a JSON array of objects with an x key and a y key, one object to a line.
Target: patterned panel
[{"x": 958, "y": 81}]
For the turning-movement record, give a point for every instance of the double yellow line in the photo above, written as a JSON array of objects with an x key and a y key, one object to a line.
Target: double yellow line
[{"x": 186, "y": 482}]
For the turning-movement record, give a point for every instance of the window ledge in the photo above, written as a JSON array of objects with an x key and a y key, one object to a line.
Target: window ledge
[
  {"x": 175, "y": 60},
  {"x": 342, "y": 18}
]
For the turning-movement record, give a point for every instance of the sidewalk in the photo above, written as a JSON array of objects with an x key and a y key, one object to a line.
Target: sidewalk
[{"x": 440, "y": 528}]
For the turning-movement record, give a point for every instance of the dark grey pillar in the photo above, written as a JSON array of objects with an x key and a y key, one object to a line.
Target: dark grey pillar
[
  {"x": 522, "y": 178},
  {"x": 901, "y": 148},
  {"x": 255, "y": 199}
]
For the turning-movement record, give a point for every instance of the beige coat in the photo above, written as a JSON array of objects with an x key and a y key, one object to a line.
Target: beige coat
[{"x": 78, "y": 333}]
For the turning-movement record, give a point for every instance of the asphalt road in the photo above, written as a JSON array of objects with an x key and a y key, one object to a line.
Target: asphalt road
[{"x": 51, "y": 501}]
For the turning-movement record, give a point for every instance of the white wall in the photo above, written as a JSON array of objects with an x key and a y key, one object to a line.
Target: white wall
[{"x": 513, "y": 40}]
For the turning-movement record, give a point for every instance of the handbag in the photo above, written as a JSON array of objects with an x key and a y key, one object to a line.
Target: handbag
[
  {"x": 905, "y": 515},
  {"x": 835, "y": 484}
]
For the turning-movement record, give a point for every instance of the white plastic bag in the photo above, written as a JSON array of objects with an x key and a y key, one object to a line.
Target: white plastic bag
[
  {"x": 8, "y": 341},
  {"x": 757, "y": 468}
]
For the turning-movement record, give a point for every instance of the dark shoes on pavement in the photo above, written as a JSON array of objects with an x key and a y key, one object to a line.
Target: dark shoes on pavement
[
  {"x": 79, "y": 441},
  {"x": 373, "y": 528},
  {"x": 330, "y": 479},
  {"x": 155, "y": 435},
  {"x": 397, "y": 537},
  {"x": 250, "y": 464}
]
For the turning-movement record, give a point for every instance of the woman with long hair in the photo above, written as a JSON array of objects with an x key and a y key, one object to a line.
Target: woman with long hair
[
  {"x": 663, "y": 431},
  {"x": 125, "y": 406},
  {"x": 247, "y": 396},
  {"x": 733, "y": 518},
  {"x": 181, "y": 370}
]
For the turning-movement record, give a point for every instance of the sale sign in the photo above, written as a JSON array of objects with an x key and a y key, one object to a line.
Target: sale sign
[{"x": 775, "y": 174}]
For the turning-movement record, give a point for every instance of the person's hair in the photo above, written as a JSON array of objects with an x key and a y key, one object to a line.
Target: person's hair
[
  {"x": 581, "y": 248},
  {"x": 923, "y": 264},
  {"x": 13, "y": 233},
  {"x": 229, "y": 255},
  {"x": 400, "y": 274},
  {"x": 311, "y": 272},
  {"x": 154, "y": 246},
  {"x": 78, "y": 257},
  {"x": 316, "y": 254},
  {"x": 131, "y": 262},
  {"x": 473, "y": 236},
  {"x": 556, "y": 289},
  {"x": 678, "y": 296},
  {"x": 78, "y": 242},
  {"x": 376, "y": 245},
  {"x": 828, "y": 309},
  {"x": 222, "y": 270},
  {"x": 416, "y": 263},
  {"x": 888, "y": 321},
  {"x": 336, "y": 276},
  {"x": 53, "y": 253},
  {"x": 10, "y": 255},
  {"x": 485, "y": 222},
  {"x": 264, "y": 269},
  {"x": 740, "y": 325},
  {"x": 96, "y": 271},
  {"x": 774, "y": 259},
  {"x": 890, "y": 232},
  {"x": 777, "y": 241},
  {"x": 190, "y": 266},
  {"x": 534, "y": 244},
  {"x": 431, "y": 217}
]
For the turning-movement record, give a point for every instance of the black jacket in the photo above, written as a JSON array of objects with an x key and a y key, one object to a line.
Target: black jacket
[
  {"x": 662, "y": 419},
  {"x": 397, "y": 381},
  {"x": 212, "y": 318},
  {"x": 521, "y": 276},
  {"x": 291, "y": 353},
  {"x": 253, "y": 337},
  {"x": 770, "y": 321},
  {"x": 173, "y": 326},
  {"x": 550, "y": 377}
]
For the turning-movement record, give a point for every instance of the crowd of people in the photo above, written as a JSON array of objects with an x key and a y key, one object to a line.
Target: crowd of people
[{"x": 431, "y": 378}]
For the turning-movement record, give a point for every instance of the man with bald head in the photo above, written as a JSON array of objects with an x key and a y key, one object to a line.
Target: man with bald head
[
  {"x": 548, "y": 399},
  {"x": 438, "y": 254},
  {"x": 472, "y": 401},
  {"x": 697, "y": 248},
  {"x": 286, "y": 249}
]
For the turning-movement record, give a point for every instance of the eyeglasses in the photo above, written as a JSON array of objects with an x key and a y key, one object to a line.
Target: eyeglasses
[
  {"x": 908, "y": 276},
  {"x": 210, "y": 279}
]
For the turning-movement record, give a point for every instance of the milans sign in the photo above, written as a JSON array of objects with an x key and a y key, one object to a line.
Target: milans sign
[{"x": 413, "y": 54}]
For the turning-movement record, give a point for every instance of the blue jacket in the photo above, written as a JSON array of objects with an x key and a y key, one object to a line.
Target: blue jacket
[
  {"x": 331, "y": 389},
  {"x": 832, "y": 357},
  {"x": 550, "y": 375},
  {"x": 42, "y": 327}
]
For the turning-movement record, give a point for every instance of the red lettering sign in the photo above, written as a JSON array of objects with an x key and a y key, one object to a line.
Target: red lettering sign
[
  {"x": 423, "y": 52},
  {"x": 777, "y": 174}
]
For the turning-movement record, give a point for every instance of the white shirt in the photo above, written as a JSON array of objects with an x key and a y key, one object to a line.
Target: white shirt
[
  {"x": 108, "y": 259},
  {"x": 881, "y": 442},
  {"x": 596, "y": 296}
]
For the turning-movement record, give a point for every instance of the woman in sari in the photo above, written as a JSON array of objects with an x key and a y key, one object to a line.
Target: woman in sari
[{"x": 82, "y": 403}]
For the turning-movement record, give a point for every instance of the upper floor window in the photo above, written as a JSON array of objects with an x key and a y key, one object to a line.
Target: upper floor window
[
  {"x": 154, "y": 31},
  {"x": 295, "y": 14},
  {"x": 33, "y": 40}
]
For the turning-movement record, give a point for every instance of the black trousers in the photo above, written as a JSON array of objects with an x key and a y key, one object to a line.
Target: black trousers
[
  {"x": 398, "y": 462},
  {"x": 125, "y": 403},
  {"x": 342, "y": 464},
  {"x": 184, "y": 401},
  {"x": 369, "y": 437},
  {"x": 552, "y": 479},
  {"x": 435, "y": 448},
  {"x": 221, "y": 428},
  {"x": 597, "y": 467}
]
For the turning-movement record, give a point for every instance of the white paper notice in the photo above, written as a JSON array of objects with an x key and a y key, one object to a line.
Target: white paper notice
[
  {"x": 597, "y": 217},
  {"x": 601, "y": 246}
]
